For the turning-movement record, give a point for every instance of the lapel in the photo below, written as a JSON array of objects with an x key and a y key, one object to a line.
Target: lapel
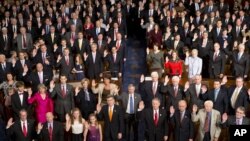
[{"x": 152, "y": 116}]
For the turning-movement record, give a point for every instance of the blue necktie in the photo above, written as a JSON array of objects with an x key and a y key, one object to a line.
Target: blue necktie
[
  {"x": 216, "y": 94},
  {"x": 131, "y": 104},
  {"x": 86, "y": 95}
]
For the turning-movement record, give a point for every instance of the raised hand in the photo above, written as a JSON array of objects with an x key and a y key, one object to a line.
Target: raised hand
[
  {"x": 186, "y": 86},
  {"x": 9, "y": 123},
  {"x": 52, "y": 84},
  {"x": 171, "y": 110},
  {"x": 148, "y": 50},
  {"x": 141, "y": 105},
  {"x": 142, "y": 78},
  {"x": 29, "y": 90},
  {"x": 77, "y": 90},
  {"x": 224, "y": 117},
  {"x": 166, "y": 79},
  {"x": 93, "y": 83},
  {"x": 98, "y": 108},
  {"x": 195, "y": 108},
  {"x": 39, "y": 126},
  {"x": 67, "y": 117}
]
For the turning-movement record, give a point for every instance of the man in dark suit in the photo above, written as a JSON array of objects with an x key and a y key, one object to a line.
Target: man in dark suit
[
  {"x": 217, "y": 61},
  {"x": 51, "y": 39},
  {"x": 237, "y": 96},
  {"x": 23, "y": 129},
  {"x": 193, "y": 93},
  {"x": 240, "y": 61},
  {"x": 51, "y": 130},
  {"x": 181, "y": 121},
  {"x": 19, "y": 100},
  {"x": 151, "y": 89},
  {"x": 71, "y": 36},
  {"x": 155, "y": 120},
  {"x": 39, "y": 76},
  {"x": 63, "y": 96},
  {"x": 112, "y": 115},
  {"x": 120, "y": 45},
  {"x": 102, "y": 44},
  {"x": 6, "y": 42},
  {"x": 85, "y": 99},
  {"x": 81, "y": 45},
  {"x": 6, "y": 67},
  {"x": 97, "y": 30},
  {"x": 236, "y": 31},
  {"x": 130, "y": 104},
  {"x": 94, "y": 62},
  {"x": 32, "y": 30},
  {"x": 177, "y": 45},
  {"x": 238, "y": 119},
  {"x": 65, "y": 64},
  {"x": 77, "y": 22},
  {"x": 114, "y": 31},
  {"x": 211, "y": 7},
  {"x": 122, "y": 23},
  {"x": 218, "y": 95},
  {"x": 115, "y": 62}
]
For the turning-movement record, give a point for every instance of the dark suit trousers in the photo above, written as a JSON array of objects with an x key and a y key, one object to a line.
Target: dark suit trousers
[
  {"x": 130, "y": 123},
  {"x": 207, "y": 136}
]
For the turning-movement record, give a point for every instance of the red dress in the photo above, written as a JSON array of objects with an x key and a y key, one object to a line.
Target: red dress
[
  {"x": 42, "y": 106},
  {"x": 175, "y": 67}
]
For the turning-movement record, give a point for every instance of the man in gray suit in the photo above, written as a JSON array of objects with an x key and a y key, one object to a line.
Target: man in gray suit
[
  {"x": 194, "y": 64},
  {"x": 130, "y": 102},
  {"x": 24, "y": 40},
  {"x": 77, "y": 22},
  {"x": 63, "y": 97}
]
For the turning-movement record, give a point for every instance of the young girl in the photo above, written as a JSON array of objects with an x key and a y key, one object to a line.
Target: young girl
[{"x": 93, "y": 130}]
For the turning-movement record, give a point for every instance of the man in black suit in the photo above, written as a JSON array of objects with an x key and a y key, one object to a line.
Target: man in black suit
[
  {"x": 112, "y": 115},
  {"x": 85, "y": 99},
  {"x": 19, "y": 100},
  {"x": 130, "y": 103},
  {"x": 177, "y": 45},
  {"x": 22, "y": 129},
  {"x": 236, "y": 31},
  {"x": 120, "y": 45},
  {"x": 6, "y": 67},
  {"x": 237, "y": 96},
  {"x": 97, "y": 30},
  {"x": 216, "y": 31},
  {"x": 155, "y": 120},
  {"x": 51, "y": 130},
  {"x": 240, "y": 61},
  {"x": 32, "y": 30},
  {"x": 51, "y": 39},
  {"x": 94, "y": 62},
  {"x": 122, "y": 24},
  {"x": 39, "y": 76},
  {"x": 115, "y": 62},
  {"x": 238, "y": 119},
  {"x": 65, "y": 64},
  {"x": 151, "y": 89},
  {"x": 181, "y": 121},
  {"x": 217, "y": 61},
  {"x": 81, "y": 45},
  {"x": 6, "y": 42},
  {"x": 63, "y": 96},
  {"x": 218, "y": 95}
]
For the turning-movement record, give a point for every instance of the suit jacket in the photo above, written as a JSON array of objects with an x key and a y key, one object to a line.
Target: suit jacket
[
  {"x": 94, "y": 33},
  {"x": 62, "y": 104},
  {"x": 19, "y": 41},
  {"x": 79, "y": 26},
  {"x": 183, "y": 129},
  {"x": 193, "y": 97},
  {"x": 232, "y": 121},
  {"x": 116, "y": 125},
  {"x": 16, "y": 103},
  {"x": 220, "y": 103},
  {"x": 114, "y": 65},
  {"x": 146, "y": 91},
  {"x": 94, "y": 68},
  {"x": 242, "y": 99},
  {"x": 217, "y": 64},
  {"x": 124, "y": 99},
  {"x": 84, "y": 48},
  {"x": 83, "y": 104},
  {"x": 18, "y": 69},
  {"x": 57, "y": 132},
  {"x": 67, "y": 36},
  {"x": 34, "y": 80},
  {"x": 64, "y": 68},
  {"x": 154, "y": 132},
  {"x": 120, "y": 50},
  {"x": 16, "y": 134},
  {"x": 240, "y": 67},
  {"x": 215, "y": 117},
  {"x": 5, "y": 46},
  {"x": 3, "y": 72},
  {"x": 50, "y": 43}
]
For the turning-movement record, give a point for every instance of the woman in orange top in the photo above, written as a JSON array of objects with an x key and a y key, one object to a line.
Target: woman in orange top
[{"x": 174, "y": 65}]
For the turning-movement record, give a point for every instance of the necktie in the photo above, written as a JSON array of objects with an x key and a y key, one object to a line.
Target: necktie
[
  {"x": 67, "y": 60},
  {"x": 238, "y": 31},
  {"x": 131, "y": 104},
  {"x": 47, "y": 29},
  {"x": 119, "y": 21},
  {"x": 43, "y": 57},
  {"x": 24, "y": 129},
  {"x": 216, "y": 94},
  {"x": 210, "y": 9},
  {"x": 239, "y": 56},
  {"x": 72, "y": 36},
  {"x": 117, "y": 45},
  {"x": 156, "y": 118},
  {"x": 86, "y": 95},
  {"x": 50, "y": 132},
  {"x": 206, "y": 125},
  {"x": 80, "y": 44},
  {"x": 3, "y": 66},
  {"x": 175, "y": 91},
  {"x": 181, "y": 116},
  {"x": 234, "y": 97},
  {"x": 154, "y": 88},
  {"x": 114, "y": 57},
  {"x": 94, "y": 57},
  {"x": 237, "y": 121},
  {"x": 40, "y": 78},
  {"x": 63, "y": 91},
  {"x": 52, "y": 38},
  {"x": 197, "y": 90},
  {"x": 110, "y": 113},
  {"x": 24, "y": 42},
  {"x": 215, "y": 56}
]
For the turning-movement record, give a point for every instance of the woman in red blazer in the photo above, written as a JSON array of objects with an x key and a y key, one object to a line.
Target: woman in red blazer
[{"x": 174, "y": 65}]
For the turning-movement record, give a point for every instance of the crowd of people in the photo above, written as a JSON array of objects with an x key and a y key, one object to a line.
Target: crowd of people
[{"x": 46, "y": 44}]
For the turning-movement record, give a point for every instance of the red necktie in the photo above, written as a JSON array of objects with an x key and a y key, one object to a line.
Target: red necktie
[
  {"x": 63, "y": 91},
  {"x": 175, "y": 91},
  {"x": 117, "y": 45},
  {"x": 156, "y": 118},
  {"x": 206, "y": 125},
  {"x": 50, "y": 132},
  {"x": 67, "y": 60},
  {"x": 24, "y": 129}
]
